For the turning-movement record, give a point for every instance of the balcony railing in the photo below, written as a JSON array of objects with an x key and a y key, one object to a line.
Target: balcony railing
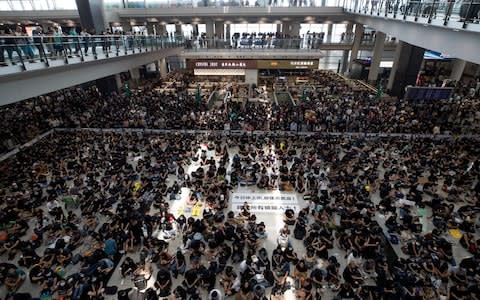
[
  {"x": 465, "y": 11},
  {"x": 275, "y": 44},
  {"x": 219, "y": 3},
  {"x": 27, "y": 52}
]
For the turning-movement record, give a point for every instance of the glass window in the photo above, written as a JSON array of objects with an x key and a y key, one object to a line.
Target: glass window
[
  {"x": 113, "y": 3},
  {"x": 41, "y": 5},
  {"x": 170, "y": 29},
  {"x": 4, "y": 5},
  {"x": 187, "y": 30},
  {"x": 27, "y": 5},
  {"x": 136, "y": 4},
  {"x": 158, "y": 3},
  {"x": 202, "y": 28},
  {"x": 268, "y": 28},
  {"x": 16, "y": 5},
  {"x": 65, "y": 4}
]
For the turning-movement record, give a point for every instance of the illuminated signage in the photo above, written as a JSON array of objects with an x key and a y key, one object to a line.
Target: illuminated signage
[
  {"x": 287, "y": 64},
  {"x": 222, "y": 64}
]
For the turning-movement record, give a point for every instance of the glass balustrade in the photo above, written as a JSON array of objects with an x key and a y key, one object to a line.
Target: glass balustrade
[
  {"x": 26, "y": 51},
  {"x": 255, "y": 43},
  {"x": 465, "y": 11}
]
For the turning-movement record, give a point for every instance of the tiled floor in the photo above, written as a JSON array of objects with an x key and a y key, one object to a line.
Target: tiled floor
[{"x": 273, "y": 221}]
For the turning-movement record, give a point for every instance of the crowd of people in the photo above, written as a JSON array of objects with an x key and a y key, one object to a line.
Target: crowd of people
[
  {"x": 333, "y": 106},
  {"x": 56, "y": 42},
  {"x": 80, "y": 205}
]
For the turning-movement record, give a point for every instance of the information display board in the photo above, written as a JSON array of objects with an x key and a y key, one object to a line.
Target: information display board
[{"x": 428, "y": 93}]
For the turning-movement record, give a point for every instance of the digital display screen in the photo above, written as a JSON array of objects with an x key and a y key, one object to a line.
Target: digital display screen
[{"x": 427, "y": 93}]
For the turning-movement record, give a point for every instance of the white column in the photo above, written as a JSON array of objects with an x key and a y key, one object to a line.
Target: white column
[
  {"x": 135, "y": 73},
  {"x": 329, "y": 33},
  {"x": 163, "y": 68},
  {"x": 458, "y": 66},
  {"x": 377, "y": 56},
  {"x": 396, "y": 61},
  {"x": 356, "y": 44},
  {"x": 228, "y": 35},
  {"x": 118, "y": 80}
]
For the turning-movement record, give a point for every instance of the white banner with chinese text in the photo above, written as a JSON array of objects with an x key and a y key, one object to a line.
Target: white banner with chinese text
[{"x": 266, "y": 202}]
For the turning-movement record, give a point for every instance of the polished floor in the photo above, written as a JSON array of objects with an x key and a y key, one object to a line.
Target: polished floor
[{"x": 272, "y": 219}]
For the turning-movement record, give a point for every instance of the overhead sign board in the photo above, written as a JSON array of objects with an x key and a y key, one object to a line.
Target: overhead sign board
[
  {"x": 222, "y": 64},
  {"x": 288, "y": 64}
]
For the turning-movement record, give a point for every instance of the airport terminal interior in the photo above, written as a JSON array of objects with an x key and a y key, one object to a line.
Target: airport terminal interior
[{"x": 239, "y": 149}]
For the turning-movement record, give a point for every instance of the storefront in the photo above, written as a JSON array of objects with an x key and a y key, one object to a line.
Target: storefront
[
  {"x": 250, "y": 71},
  {"x": 227, "y": 70},
  {"x": 295, "y": 71}
]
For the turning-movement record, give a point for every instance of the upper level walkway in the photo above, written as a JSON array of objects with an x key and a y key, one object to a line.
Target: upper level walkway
[{"x": 34, "y": 67}]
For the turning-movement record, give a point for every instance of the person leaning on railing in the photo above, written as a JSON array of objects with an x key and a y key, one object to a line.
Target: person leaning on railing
[
  {"x": 85, "y": 39},
  {"x": 37, "y": 34},
  {"x": 23, "y": 42},
  {"x": 2, "y": 48}
]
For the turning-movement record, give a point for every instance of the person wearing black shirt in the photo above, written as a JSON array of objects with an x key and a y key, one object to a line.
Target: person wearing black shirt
[
  {"x": 164, "y": 282},
  {"x": 352, "y": 275}
]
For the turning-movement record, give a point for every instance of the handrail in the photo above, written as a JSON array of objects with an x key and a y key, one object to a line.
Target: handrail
[
  {"x": 368, "y": 86},
  {"x": 445, "y": 11},
  {"x": 24, "y": 50},
  {"x": 199, "y": 44}
]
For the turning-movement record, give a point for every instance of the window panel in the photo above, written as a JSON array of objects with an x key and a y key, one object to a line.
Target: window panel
[
  {"x": 41, "y": 5},
  {"x": 136, "y": 4},
  {"x": 16, "y": 5},
  {"x": 65, "y": 4},
  {"x": 4, "y": 5}
]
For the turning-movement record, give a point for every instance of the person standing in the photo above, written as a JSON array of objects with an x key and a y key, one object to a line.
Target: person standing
[
  {"x": 23, "y": 43},
  {"x": 85, "y": 36},
  {"x": 38, "y": 42}
]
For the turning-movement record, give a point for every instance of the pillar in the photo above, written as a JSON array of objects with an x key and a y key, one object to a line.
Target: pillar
[
  {"x": 163, "y": 67},
  {"x": 118, "y": 81},
  {"x": 91, "y": 14},
  {"x": 228, "y": 36},
  {"x": 329, "y": 33},
  {"x": 345, "y": 61},
  {"x": 195, "y": 29},
  {"x": 210, "y": 29},
  {"x": 279, "y": 29},
  {"x": 458, "y": 66},
  {"x": 219, "y": 32},
  {"x": 357, "y": 40},
  {"x": 178, "y": 30},
  {"x": 135, "y": 74},
  {"x": 407, "y": 62},
  {"x": 349, "y": 32},
  {"x": 286, "y": 29},
  {"x": 295, "y": 29},
  {"x": 377, "y": 56}
]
